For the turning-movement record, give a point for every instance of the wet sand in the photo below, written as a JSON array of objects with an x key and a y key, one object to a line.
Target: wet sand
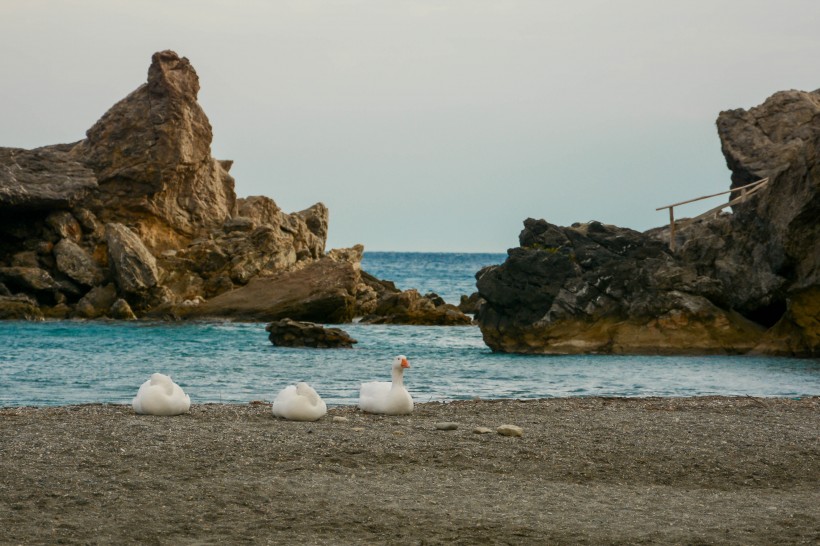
[{"x": 585, "y": 471}]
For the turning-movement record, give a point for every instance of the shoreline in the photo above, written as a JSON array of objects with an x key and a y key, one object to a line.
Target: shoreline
[{"x": 729, "y": 470}]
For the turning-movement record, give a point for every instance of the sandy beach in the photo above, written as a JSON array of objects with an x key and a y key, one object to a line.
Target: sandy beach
[{"x": 585, "y": 471}]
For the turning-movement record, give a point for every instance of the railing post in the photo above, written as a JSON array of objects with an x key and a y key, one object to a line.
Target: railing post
[{"x": 672, "y": 229}]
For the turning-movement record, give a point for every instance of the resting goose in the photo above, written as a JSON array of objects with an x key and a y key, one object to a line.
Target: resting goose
[
  {"x": 299, "y": 403},
  {"x": 161, "y": 396},
  {"x": 388, "y": 397}
]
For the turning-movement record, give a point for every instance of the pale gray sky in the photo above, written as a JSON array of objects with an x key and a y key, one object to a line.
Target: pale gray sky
[{"x": 428, "y": 125}]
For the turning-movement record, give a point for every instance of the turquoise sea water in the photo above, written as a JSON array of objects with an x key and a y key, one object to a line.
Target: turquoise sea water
[
  {"x": 450, "y": 275},
  {"x": 67, "y": 362}
]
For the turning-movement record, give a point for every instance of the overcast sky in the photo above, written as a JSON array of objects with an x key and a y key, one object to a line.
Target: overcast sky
[{"x": 428, "y": 125}]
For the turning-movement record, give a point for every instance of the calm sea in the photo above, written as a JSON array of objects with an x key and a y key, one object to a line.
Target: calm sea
[{"x": 54, "y": 363}]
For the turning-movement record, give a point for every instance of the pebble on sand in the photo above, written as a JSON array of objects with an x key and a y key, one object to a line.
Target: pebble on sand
[
  {"x": 482, "y": 430},
  {"x": 340, "y": 419},
  {"x": 446, "y": 425},
  {"x": 510, "y": 430}
]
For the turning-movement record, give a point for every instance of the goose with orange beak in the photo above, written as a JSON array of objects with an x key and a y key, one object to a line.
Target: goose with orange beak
[{"x": 388, "y": 397}]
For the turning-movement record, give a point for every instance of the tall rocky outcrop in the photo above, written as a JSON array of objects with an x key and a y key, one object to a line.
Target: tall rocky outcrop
[
  {"x": 140, "y": 207},
  {"x": 138, "y": 219},
  {"x": 151, "y": 155},
  {"x": 741, "y": 282}
]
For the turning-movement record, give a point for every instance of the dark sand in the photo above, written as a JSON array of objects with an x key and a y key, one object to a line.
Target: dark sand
[{"x": 586, "y": 471}]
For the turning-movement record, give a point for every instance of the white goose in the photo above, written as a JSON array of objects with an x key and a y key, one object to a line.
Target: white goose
[
  {"x": 161, "y": 396},
  {"x": 388, "y": 397},
  {"x": 299, "y": 403}
]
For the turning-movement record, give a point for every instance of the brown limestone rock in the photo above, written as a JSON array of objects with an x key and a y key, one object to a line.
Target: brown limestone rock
[
  {"x": 133, "y": 266},
  {"x": 42, "y": 179},
  {"x": 77, "y": 264},
  {"x": 322, "y": 291},
  {"x": 152, "y": 158}
]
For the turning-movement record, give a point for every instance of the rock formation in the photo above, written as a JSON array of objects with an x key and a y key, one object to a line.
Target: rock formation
[
  {"x": 139, "y": 208},
  {"x": 741, "y": 282},
  {"x": 139, "y": 220},
  {"x": 292, "y": 333}
]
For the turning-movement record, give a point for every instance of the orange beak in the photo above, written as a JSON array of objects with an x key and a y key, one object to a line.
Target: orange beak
[{"x": 404, "y": 363}]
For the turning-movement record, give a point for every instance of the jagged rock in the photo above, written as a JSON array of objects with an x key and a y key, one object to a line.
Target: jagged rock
[
  {"x": 322, "y": 291},
  {"x": 89, "y": 222},
  {"x": 470, "y": 304},
  {"x": 767, "y": 253},
  {"x": 152, "y": 159},
  {"x": 380, "y": 302},
  {"x": 121, "y": 310},
  {"x": 97, "y": 302},
  {"x": 733, "y": 277},
  {"x": 42, "y": 179},
  {"x": 142, "y": 202},
  {"x": 19, "y": 308},
  {"x": 594, "y": 288},
  {"x": 291, "y": 333},
  {"x": 65, "y": 225},
  {"x": 240, "y": 223},
  {"x": 75, "y": 262},
  {"x": 306, "y": 230},
  {"x": 240, "y": 255},
  {"x": 29, "y": 280},
  {"x": 410, "y": 307},
  {"x": 134, "y": 268}
]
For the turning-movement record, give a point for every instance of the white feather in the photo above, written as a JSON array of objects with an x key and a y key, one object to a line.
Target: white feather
[
  {"x": 161, "y": 396},
  {"x": 299, "y": 403}
]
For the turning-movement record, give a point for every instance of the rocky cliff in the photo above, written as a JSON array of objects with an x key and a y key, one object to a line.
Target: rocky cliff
[
  {"x": 138, "y": 219},
  {"x": 741, "y": 282}
]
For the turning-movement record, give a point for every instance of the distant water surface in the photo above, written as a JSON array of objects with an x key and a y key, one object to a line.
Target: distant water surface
[{"x": 448, "y": 274}]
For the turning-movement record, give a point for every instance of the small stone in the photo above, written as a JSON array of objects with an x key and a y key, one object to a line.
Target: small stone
[
  {"x": 444, "y": 425},
  {"x": 482, "y": 430},
  {"x": 510, "y": 430},
  {"x": 398, "y": 433},
  {"x": 340, "y": 419},
  {"x": 357, "y": 429}
]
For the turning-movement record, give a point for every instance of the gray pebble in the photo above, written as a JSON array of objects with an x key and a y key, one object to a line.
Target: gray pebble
[
  {"x": 446, "y": 426},
  {"x": 510, "y": 430}
]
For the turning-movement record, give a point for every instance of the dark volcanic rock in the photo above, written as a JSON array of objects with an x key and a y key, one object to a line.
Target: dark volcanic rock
[
  {"x": 603, "y": 289},
  {"x": 291, "y": 333},
  {"x": 746, "y": 281}
]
